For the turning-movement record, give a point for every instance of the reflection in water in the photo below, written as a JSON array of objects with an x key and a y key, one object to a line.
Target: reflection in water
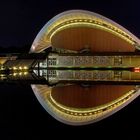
[
  {"x": 41, "y": 74},
  {"x": 60, "y": 68}
]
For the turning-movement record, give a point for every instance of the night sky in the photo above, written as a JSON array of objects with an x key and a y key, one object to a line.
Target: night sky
[{"x": 20, "y": 112}]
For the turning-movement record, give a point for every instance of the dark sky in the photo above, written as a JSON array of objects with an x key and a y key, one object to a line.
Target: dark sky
[
  {"x": 20, "y": 20},
  {"x": 20, "y": 112}
]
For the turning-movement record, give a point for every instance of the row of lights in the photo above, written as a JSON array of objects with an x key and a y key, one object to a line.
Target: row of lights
[
  {"x": 100, "y": 23},
  {"x": 15, "y": 68},
  {"x": 20, "y": 73},
  {"x": 52, "y": 30},
  {"x": 107, "y": 108},
  {"x": 20, "y": 68}
]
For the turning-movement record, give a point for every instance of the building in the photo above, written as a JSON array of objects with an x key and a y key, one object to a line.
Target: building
[{"x": 81, "y": 47}]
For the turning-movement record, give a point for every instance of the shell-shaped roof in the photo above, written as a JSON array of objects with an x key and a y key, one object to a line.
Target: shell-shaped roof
[{"x": 75, "y": 18}]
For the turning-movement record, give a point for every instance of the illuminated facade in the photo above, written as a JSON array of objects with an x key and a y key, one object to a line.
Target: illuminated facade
[
  {"x": 87, "y": 65},
  {"x": 76, "y": 30}
]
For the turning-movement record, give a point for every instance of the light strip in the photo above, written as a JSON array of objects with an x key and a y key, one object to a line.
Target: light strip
[
  {"x": 91, "y": 24},
  {"x": 90, "y": 110}
]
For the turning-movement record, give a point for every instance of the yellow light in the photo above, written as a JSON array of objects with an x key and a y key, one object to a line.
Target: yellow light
[
  {"x": 96, "y": 111},
  {"x": 20, "y": 73},
  {"x": 25, "y": 73},
  {"x": 15, "y": 74},
  {"x": 2, "y": 75},
  {"x": 20, "y": 68},
  {"x": 96, "y": 26},
  {"x": 14, "y": 68},
  {"x": 25, "y": 67}
]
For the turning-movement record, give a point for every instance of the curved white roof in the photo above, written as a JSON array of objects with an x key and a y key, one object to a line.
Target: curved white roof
[{"x": 77, "y": 17}]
